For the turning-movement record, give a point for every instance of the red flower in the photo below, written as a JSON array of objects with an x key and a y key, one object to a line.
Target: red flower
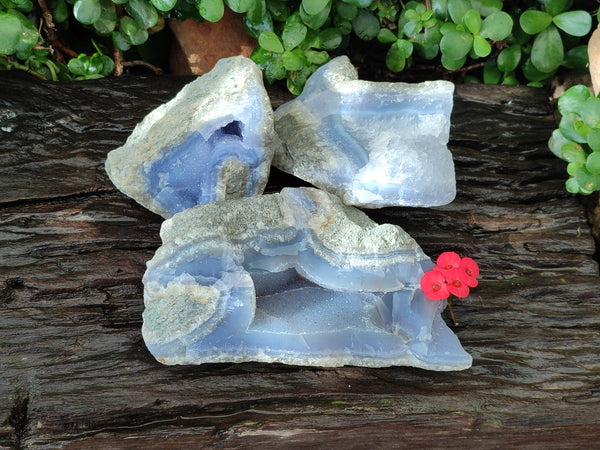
[
  {"x": 433, "y": 284},
  {"x": 448, "y": 260},
  {"x": 457, "y": 282},
  {"x": 471, "y": 268}
]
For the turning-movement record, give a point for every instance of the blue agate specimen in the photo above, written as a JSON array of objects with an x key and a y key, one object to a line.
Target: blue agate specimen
[
  {"x": 214, "y": 140},
  {"x": 373, "y": 144},
  {"x": 297, "y": 278}
]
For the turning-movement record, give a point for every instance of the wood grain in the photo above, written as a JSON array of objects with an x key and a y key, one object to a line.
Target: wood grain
[{"x": 75, "y": 372}]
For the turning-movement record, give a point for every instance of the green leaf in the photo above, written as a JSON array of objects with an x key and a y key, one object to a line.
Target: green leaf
[
  {"x": 313, "y": 7},
  {"x": 346, "y": 10},
  {"x": 424, "y": 48},
  {"x": 487, "y": 7},
  {"x": 590, "y": 111},
  {"x": 509, "y": 58},
  {"x": 239, "y": 6},
  {"x": 547, "y": 50},
  {"x": 440, "y": 8},
  {"x": 556, "y": 142},
  {"x": 532, "y": 74},
  {"x": 293, "y": 34},
  {"x": 497, "y": 26},
  {"x": 79, "y": 65},
  {"x": 555, "y": 7},
  {"x": 261, "y": 57},
  {"x": 279, "y": 10},
  {"x": 330, "y": 38},
  {"x": 132, "y": 30},
  {"x": 120, "y": 41},
  {"x": 412, "y": 15},
  {"x": 211, "y": 10},
  {"x": 87, "y": 11},
  {"x": 386, "y": 36},
  {"x": 573, "y": 153},
  {"x": 297, "y": 80},
  {"x": 270, "y": 42},
  {"x": 411, "y": 29},
  {"x": 593, "y": 139},
  {"x": 452, "y": 64},
  {"x": 395, "y": 59},
  {"x": 533, "y": 21},
  {"x": 455, "y": 45},
  {"x": 164, "y": 5},
  {"x": 60, "y": 11},
  {"x": 318, "y": 58},
  {"x": 582, "y": 128},
  {"x": 275, "y": 70},
  {"x": 510, "y": 80},
  {"x": 569, "y": 130},
  {"x": 28, "y": 36},
  {"x": 315, "y": 21},
  {"x": 491, "y": 74},
  {"x": 24, "y": 6},
  {"x": 572, "y": 185},
  {"x": 108, "y": 19},
  {"x": 256, "y": 14},
  {"x": 433, "y": 33},
  {"x": 577, "y": 58},
  {"x": 359, "y": 3},
  {"x": 365, "y": 25},
  {"x": 572, "y": 168},
  {"x": 11, "y": 31},
  {"x": 101, "y": 65},
  {"x": 575, "y": 23},
  {"x": 345, "y": 26},
  {"x": 592, "y": 164},
  {"x": 427, "y": 15},
  {"x": 587, "y": 181},
  {"x": 255, "y": 30},
  {"x": 573, "y": 99},
  {"x": 457, "y": 9},
  {"x": 481, "y": 47},
  {"x": 292, "y": 61},
  {"x": 143, "y": 12},
  {"x": 472, "y": 20},
  {"x": 447, "y": 27}
]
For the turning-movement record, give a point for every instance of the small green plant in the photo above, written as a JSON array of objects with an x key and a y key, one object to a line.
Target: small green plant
[
  {"x": 577, "y": 139},
  {"x": 476, "y": 38},
  {"x": 542, "y": 40}
]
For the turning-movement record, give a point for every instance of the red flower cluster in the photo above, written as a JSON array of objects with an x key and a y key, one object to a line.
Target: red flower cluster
[{"x": 452, "y": 275}]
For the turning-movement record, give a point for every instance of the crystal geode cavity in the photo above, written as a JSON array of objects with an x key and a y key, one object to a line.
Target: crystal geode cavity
[
  {"x": 297, "y": 278},
  {"x": 214, "y": 140},
  {"x": 373, "y": 144}
]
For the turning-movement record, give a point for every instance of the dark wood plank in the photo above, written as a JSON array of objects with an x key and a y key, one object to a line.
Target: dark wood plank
[{"x": 75, "y": 371}]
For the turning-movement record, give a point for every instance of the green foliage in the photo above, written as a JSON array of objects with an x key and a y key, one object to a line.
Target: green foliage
[
  {"x": 577, "y": 139},
  {"x": 295, "y": 37}
]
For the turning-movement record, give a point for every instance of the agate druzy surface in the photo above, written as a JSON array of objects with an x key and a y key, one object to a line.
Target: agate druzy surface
[
  {"x": 214, "y": 140},
  {"x": 297, "y": 278},
  {"x": 373, "y": 144}
]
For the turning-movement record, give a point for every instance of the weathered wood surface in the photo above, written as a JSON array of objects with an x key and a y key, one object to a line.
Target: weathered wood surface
[{"x": 74, "y": 370}]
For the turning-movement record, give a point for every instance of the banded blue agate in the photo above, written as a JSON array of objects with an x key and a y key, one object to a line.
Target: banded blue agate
[
  {"x": 214, "y": 140},
  {"x": 297, "y": 278},
  {"x": 373, "y": 144}
]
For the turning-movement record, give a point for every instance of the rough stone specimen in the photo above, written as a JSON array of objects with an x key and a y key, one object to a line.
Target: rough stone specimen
[
  {"x": 214, "y": 140},
  {"x": 297, "y": 278},
  {"x": 373, "y": 144}
]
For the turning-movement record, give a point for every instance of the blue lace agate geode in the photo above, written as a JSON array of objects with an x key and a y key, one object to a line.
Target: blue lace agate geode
[
  {"x": 214, "y": 140},
  {"x": 297, "y": 278},
  {"x": 373, "y": 144}
]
